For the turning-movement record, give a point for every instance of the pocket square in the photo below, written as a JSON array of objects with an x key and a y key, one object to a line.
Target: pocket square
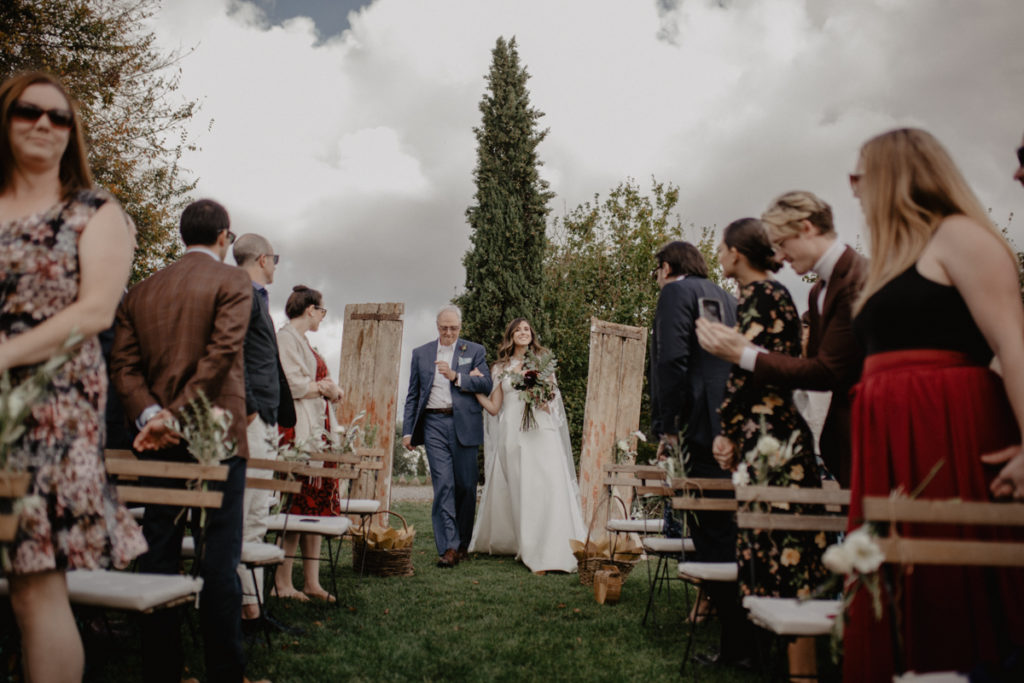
[{"x": 465, "y": 361}]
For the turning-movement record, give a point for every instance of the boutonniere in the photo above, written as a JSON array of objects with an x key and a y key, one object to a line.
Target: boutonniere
[{"x": 462, "y": 348}]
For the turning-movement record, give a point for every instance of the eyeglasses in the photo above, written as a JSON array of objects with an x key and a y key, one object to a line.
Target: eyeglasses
[
  {"x": 1020, "y": 155},
  {"x": 61, "y": 118},
  {"x": 779, "y": 245},
  {"x": 231, "y": 237},
  {"x": 449, "y": 328},
  {"x": 276, "y": 257},
  {"x": 321, "y": 309}
]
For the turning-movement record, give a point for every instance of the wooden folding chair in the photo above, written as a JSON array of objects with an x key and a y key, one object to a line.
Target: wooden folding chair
[
  {"x": 139, "y": 592},
  {"x": 759, "y": 509},
  {"x": 689, "y": 496},
  {"x": 952, "y": 550}
]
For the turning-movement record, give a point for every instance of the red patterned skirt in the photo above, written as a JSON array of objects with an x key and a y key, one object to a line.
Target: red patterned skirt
[{"x": 912, "y": 410}]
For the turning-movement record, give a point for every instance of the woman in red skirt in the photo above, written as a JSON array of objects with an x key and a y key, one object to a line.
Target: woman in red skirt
[{"x": 940, "y": 299}]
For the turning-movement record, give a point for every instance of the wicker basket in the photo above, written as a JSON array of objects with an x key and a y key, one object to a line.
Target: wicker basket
[
  {"x": 588, "y": 565},
  {"x": 382, "y": 561}
]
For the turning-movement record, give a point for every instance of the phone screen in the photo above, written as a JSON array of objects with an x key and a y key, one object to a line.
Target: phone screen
[{"x": 710, "y": 309}]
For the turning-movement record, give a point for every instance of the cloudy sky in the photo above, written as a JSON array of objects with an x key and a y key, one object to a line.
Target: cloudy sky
[{"x": 342, "y": 130}]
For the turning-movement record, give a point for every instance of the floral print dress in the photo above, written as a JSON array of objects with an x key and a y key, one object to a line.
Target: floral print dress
[
  {"x": 777, "y": 563},
  {"x": 72, "y": 518}
]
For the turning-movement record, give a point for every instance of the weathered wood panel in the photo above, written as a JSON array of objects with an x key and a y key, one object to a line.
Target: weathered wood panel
[
  {"x": 612, "y": 412},
  {"x": 371, "y": 350}
]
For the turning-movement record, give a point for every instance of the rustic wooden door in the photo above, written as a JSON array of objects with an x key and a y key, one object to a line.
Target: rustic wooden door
[
  {"x": 371, "y": 353},
  {"x": 612, "y": 412}
]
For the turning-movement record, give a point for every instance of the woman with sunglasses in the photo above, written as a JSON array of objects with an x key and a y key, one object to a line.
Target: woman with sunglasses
[
  {"x": 941, "y": 298},
  {"x": 65, "y": 255},
  {"x": 314, "y": 392}
]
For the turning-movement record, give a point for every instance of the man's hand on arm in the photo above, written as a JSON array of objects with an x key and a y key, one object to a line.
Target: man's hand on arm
[
  {"x": 407, "y": 442},
  {"x": 667, "y": 441},
  {"x": 157, "y": 433}
]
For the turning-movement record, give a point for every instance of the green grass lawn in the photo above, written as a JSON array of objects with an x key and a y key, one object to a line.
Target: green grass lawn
[{"x": 489, "y": 619}]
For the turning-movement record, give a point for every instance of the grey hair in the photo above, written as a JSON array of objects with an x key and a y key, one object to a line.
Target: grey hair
[
  {"x": 250, "y": 247},
  {"x": 451, "y": 308}
]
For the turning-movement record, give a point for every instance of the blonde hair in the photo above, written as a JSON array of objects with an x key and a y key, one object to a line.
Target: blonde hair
[
  {"x": 908, "y": 187},
  {"x": 784, "y": 214}
]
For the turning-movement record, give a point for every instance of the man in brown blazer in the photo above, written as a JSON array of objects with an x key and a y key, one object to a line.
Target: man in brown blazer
[
  {"x": 179, "y": 333},
  {"x": 801, "y": 229}
]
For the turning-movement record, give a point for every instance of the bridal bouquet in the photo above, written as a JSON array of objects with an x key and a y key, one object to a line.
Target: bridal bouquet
[{"x": 535, "y": 382}]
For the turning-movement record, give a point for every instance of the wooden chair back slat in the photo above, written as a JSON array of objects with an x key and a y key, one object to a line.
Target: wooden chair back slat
[
  {"x": 789, "y": 522},
  {"x": 884, "y": 509},
  {"x": 278, "y": 466},
  {"x": 166, "y": 470},
  {"x": 279, "y": 485},
  {"x": 779, "y": 494},
  {"x": 900, "y": 550},
  {"x": 326, "y": 472},
  {"x": 8, "y": 528},
  {"x": 702, "y": 484},
  {"x": 152, "y": 495},
  {"x": 654, "y": 490}
]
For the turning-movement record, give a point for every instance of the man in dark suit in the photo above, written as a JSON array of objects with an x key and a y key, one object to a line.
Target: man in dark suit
[
  {"x": 800, "y": 226},
  {"x": 687, "y": 383},
  {"x": 441, "y": 411},
  {"x": 181, "y": 332},
  {"x": 268, "y": 403}
]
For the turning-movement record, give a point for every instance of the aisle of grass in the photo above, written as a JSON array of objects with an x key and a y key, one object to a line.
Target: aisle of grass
[{"x": 488, "y": 619}]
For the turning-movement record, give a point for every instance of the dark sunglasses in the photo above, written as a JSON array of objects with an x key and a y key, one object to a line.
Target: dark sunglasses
[
  {"x": 62, "y": 118},
  {"x": 1020, "y": 155},
  {"x": 276, "y": 257}
]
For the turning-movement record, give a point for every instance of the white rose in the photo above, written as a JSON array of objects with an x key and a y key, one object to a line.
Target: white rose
[
  {"x": 768, "y": 445},
  {"x": 837, "y": 560},
  {"x": 864, "y": 553},
  {"x": 741, "y": 477},
  {"x": 640, "y": 435},
  {"x": 623, "y": 446}
]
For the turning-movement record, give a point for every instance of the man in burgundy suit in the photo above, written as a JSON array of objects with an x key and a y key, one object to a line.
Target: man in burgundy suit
[
  {"x": 179, "y": 333},
  {"x": 800, "y": 227}
]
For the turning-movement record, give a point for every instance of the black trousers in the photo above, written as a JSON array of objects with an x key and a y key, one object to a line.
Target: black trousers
[{"x": 220, "y": 602}]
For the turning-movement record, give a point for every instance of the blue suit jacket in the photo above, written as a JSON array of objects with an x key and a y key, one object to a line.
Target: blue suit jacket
[{"x": 469, "y": 427}]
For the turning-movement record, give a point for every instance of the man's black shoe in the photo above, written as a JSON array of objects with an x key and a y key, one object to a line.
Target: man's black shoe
[{"x": 715, "y": 658}]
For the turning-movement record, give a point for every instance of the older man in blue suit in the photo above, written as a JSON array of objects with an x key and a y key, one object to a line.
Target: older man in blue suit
[{"x": 441, "y": 411}]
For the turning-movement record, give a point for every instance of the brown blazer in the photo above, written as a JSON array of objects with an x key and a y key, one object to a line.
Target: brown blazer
[
  {"x": 182, "y": 330},
  {"x": 834, "y": 359}
]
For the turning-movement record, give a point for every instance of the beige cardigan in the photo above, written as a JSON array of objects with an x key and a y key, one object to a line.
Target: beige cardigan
[{"x": 299, "y": 366}]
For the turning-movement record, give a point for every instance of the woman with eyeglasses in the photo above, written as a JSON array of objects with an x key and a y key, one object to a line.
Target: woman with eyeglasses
[
  {"x": 314, "y": 393},
  {"x": 65, "y": 256},
  {"x": 940, "y": 300}
]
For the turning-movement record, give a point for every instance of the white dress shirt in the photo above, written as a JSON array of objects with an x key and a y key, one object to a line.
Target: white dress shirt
[
  {"x": 441, "y": 389},
  {"x": 823, "y": 268}
]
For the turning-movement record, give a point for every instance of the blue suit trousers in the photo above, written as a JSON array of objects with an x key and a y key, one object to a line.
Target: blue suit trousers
[{"x": 453, "y": 473}]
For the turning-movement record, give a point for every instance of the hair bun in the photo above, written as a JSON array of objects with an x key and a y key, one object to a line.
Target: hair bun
[{"x": 300, "y": 288}]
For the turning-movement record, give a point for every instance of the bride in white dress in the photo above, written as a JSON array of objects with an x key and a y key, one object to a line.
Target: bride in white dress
[{"x": 530, "y": 505}]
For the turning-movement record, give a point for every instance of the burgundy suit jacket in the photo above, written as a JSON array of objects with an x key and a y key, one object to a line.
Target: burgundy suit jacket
[
  {"x": 182, "y": 330},
  {"x": 834, "y": 359}
]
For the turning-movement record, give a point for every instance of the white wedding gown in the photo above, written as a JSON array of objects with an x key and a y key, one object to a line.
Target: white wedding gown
[{"x": 530, "y": 505}]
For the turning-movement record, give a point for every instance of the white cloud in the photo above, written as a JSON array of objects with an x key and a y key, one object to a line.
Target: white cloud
[{"x": 354, "y": 155}]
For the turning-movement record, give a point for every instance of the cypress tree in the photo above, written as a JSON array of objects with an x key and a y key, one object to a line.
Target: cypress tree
[{"x": 504, "y": 264}]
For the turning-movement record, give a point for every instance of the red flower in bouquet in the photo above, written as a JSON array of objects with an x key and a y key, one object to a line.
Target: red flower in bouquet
[{"x": 535, "y": 384}]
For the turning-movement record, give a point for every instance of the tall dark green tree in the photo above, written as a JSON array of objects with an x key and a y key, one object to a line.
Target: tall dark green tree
[
  {"x": 107, "y": 58},
  {"x": 505, "y": 264}
]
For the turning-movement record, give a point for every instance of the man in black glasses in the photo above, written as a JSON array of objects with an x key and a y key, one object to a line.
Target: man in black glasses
[{"x": 268, "y": 403}]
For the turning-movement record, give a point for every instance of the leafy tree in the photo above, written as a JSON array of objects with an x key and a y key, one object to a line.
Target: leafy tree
[
  {"x": 504, "y": 265},
  {"x": 106, "y": 58},
  {"x": 599, "y": 263}
]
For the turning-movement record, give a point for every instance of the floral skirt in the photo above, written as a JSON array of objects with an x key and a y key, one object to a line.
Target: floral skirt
[{"x": 911, "y": 411}]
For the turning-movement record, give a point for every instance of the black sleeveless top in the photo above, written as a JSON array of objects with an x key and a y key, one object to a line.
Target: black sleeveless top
[{"x": 913, "y": 312}]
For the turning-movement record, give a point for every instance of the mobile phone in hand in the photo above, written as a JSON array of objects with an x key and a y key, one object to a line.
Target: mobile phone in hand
[{"x": 710, "y": 308}]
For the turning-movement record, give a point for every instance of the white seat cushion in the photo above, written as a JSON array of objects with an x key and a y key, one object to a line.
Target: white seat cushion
[
  {"x": 638, "y": 526},
  {"x": 252, "y": 552},
  {"x": 668, "y": 546},
  {"x": 137, "y": 513},
  {"x": 708, "y": 571},
  {"x": 791, "y": 617},
  {"x": 933, "y": 677},
  {"x": 325, "y": 526},
  {"x": 360, "y": 506},
  {"x": 125, "y": 590}
]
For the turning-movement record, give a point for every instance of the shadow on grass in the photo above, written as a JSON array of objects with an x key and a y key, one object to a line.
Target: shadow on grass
[{"x": 489, "y": 619}]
